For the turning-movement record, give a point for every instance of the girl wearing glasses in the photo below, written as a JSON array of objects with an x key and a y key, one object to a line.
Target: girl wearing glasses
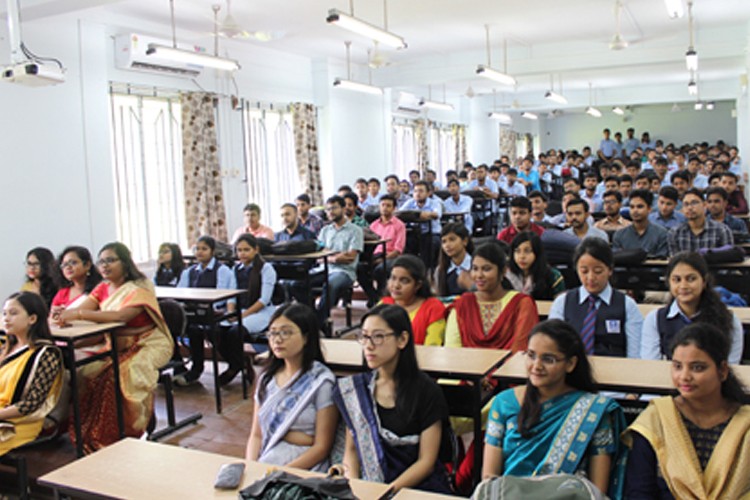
[
  {"x": 295, "y": 419},
  {"x": 170, "y": 263},
  {"x": 695, "y": 444},
  {"x": 42, "y": 274},
  {"x": 408, "y": 287},
  {"x": 555, "y": 423},
  {"x": 394, "y": 414},
  {"x": 144, "y": 345},
  {"x": 80, "y": 278}
]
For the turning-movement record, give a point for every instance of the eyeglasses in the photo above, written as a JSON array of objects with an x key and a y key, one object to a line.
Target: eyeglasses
[
  {"x": 280, "y": 334},
  {"x": 376, "y": 338},
  {"x": 32, "y": 264},
  {"x": 546, "y": 359},
  {"x": 69, "y": 263},
  {"x": 107, "y": 261}
]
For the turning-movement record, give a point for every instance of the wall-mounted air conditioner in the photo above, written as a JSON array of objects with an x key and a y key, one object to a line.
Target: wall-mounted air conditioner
[
  {"x": 130, "y": 54},
  {"x": 407, "y": 104}
]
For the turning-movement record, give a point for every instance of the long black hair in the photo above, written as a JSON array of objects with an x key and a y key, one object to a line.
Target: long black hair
[
  {"x": 570, "y": 344},
  {"x": 444, "y": 262},
  {"x": 597, "y": 248},
  {"x": 176, "y": 264},
  {"x": 407, "y": 373},
  {"x": 307, "y": 321},
  {"x": 418, "y": 272},
  {"x": 254, "y": 284},
  {"x": 33, "y": 304},
  {"x": 93, "y": 277},
  {"x": 539, "y": 271},
  {"x": 49, "y": 277},
  {"x": 129, "y": 269},
  {"x": 714, "y": 342},
  {"x": 711, "y": 309}
]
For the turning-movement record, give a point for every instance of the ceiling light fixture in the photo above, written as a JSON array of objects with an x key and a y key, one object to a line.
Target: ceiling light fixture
[
  {"x": 710, "y": 106},
  {"x": 691, "y": 56},
  {"x": 351, "y": 23},
  {"x": 674, "y": 8},
  {"x": 529, "y": 116},
  {"x": 488, "y": 72},
  {"x": 591, "y": 110},
  {"x": 190, "y": 57},
  {"x": 503, "y": 118},
  {"x": 350, "y": 84},
  {"x": 429, "y": 103},
  {"x": 618, "y": 110},
  {"x": 692, "y": 88},
  {"x": 698, "y": 106},
  {"x": 553, "y": 96}
]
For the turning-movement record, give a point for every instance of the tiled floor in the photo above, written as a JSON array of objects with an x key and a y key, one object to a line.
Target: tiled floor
[{"x": 226, "y": 433}]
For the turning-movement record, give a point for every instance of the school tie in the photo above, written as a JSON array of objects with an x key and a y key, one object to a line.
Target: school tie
[{"x": 589, "y": 325}]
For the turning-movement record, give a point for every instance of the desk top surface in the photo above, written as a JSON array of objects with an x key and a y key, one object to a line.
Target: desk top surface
[
  {"x": 82, "y": 329},
  {"x": 442, "y": 361},
  {"x": 137, "y": 469},
  {"x": 742, "y": 313},
  {"x": 196, "y": 294},
  {"x": 307, "y": 256}
]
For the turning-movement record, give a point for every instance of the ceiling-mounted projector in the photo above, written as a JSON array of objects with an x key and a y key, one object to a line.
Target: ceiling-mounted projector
[{"x": 33, "y": 74}]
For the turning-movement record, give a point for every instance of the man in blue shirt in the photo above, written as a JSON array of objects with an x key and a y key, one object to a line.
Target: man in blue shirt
[
  {"x": 717, "y": 200},
  {"x": 607, "y": 147},
  {"x": 293, "y": 230},
  {"x": 458, "y": 203},
  {"x": 667, "y": 216},
  {"x": 427, "y": 239},
  {"x": 631, "y": 143},
  {"x": 392, "y": 188},
  {"x": 528, "y": 177}
]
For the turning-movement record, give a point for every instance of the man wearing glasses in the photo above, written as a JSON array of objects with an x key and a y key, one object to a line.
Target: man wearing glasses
[{"x": 698, "y": 232}]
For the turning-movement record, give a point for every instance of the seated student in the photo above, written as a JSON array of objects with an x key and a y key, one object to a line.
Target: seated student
[
  {"x": 626, "y": 187},
  {"x": 207, "y": 272},
  {"x": 80, "y": 276},
  {"x": 526, "y": 427},
  {"x": 251, "y": 214},
  {"x": 528, "y": 271},
  {"x": 698, "y": 232},
  {"x": 452, "y": 276},
  {"x": 392, "y": 188},
  {"x": 307, "y": 219},
  {"x": 405, "y": 187},
  {"x": 42, "y": 274},
  {"x": 293, "y": 228},
  {"x": 700, "y": 180},
  {"x": 258, "y": 277},
  {"x": 693, "y": 301},
  {"x": 643, "y": 181},
  {"x": 409, "y": 288},
  {"x": 512, "y": 186},
  {"x": 695, "y": 444},
  {"x": 170, "y": 265},
  {"x": 681, "y": 180},
  {"x": 608, "y": 321},
  {"x": 361, "y": 193},
  {"x": 539, "y": 208},
  {"x": 717, "y": 200},
  {"x": 737, "y": 202},
  {"x": 589, "y": 194},
  {"x": 144, "y": 345},
  {"x": 613, "y": 220},
  {"x": 577, "y": 216},
  {"x": 429, "y": 230},
  {"x": 390, "y": 228},
  {"x": 484, "y": 183},
  {"x": 373, "y": 194},
  {"x": 520, "y": 220},
  {"x": 394, "y": 414},
  {"x": 492, "y": 317},
  {"x": 294, "y": 422},
  {"x": 714, "y": 180},
  {"x": 667, "y": 215},
  {"x": 641, "y": 233},
  {"x": 459, "y": 203},
  {"x": 350, "y": 210},
  {"x": 528, "y": 177},
  {"x": 30, "y": 369}
]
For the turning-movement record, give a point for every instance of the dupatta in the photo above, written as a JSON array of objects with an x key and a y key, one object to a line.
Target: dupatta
[
  {"x": 726, "y": 474},
  {"x": 430, "y": 311}
]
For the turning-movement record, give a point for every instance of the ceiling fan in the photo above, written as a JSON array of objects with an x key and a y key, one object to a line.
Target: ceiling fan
[
  {"x": 229, "y": 27},
  {"x": 618, "y": 42},
  {"x": 375, "y": 58}
]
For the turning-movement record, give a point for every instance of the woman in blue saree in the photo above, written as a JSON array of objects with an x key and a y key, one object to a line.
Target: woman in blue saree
[
  {"x": 394, "y": 414},
  {"x": 295, "y": 417},
  {"x": 556, "y": 423}
]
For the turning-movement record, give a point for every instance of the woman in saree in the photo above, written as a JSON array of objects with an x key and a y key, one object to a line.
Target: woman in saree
[
  {"x": 144, "y": 345},
  {"x": 409, "y": 288},
  {"x": 394, "y": 414},
  {"x": 30, "y": 371},
  {"x": 695, "y": 444},
  {"x": 492, "y": 317},
  {"x": 295, "y": 419},
  {"x": 555, "y": 423}
]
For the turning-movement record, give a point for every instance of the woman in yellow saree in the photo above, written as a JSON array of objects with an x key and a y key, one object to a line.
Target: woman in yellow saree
[
  {"x": 30, "y": 371},
  {"x": 144, "y": 345},
  {"x": 695, "y": 445}
]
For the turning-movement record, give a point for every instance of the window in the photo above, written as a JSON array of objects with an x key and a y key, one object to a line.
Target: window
[
  {"x": 442, "y": 148},
  {"x": 148, "y": 176},
  {"x": 272, "y": 175},
  {"x": 404, "y": 149}
]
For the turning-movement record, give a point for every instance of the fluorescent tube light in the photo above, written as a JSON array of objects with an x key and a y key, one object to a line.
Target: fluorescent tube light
[
  {"x": 698, "y": 106},
  {"x": 674, "y": 8},
  {"x": 691, "y": 59},
  {"x": 593, "y": 112},
  {"x": 426, "y": 103},
  {"x": 529, "y": 116},
  {"x": 555, "y": 97},
  {"x": 618, "y": 110},
  {"x": 365, "y": 29},
  {"x": 503, "y": 118},
  {"x": 189, "y": 57},
  {"x": 358, "y": 87},
  {"x": 496, "y": 75}
]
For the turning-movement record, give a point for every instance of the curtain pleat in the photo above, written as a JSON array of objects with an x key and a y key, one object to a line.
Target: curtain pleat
[{"x": 306, "y": 150}]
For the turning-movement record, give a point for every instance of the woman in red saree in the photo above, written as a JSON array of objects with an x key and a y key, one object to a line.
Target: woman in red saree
[{"x": 492, "y": 317}]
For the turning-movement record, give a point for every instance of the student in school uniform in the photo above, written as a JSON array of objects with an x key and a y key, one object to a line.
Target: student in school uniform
[
  {"x": 170, "y": 266},
  {"x": 206, "y": 273},
  {"x": 452, "y": 275},
  {"x": 608, "y": 320}
]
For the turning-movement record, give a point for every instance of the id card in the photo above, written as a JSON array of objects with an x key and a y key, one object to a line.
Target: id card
[{"x": 613, "y": 325}]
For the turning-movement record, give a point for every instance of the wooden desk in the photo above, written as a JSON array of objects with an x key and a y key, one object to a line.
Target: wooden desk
[
  {"x": 618, "y": 374},
  {"x": 462, "y": 363},
  {"x": 141, "y": 469},
  {"x": 209, "y": 297},
  {"x": 409, "y": 494},
  {"x": 68, "y": 336}
]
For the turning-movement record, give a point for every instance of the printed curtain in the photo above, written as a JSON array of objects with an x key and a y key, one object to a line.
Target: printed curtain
[
  {"x": 459, "y": 135},
  {"x": 423, "y": 154},
  {"x": 204, "y": 198},
  {"x": 508, "y": 143},
  {"x": 306, "y": 150}
]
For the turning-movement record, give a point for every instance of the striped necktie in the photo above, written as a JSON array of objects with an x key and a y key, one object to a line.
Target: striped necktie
[{"x": 589, "y": 325}]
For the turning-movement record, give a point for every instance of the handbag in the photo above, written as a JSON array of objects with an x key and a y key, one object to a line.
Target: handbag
[
  {"x": 280, "y": 485},
  {"x": 552, "y": 487}
]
